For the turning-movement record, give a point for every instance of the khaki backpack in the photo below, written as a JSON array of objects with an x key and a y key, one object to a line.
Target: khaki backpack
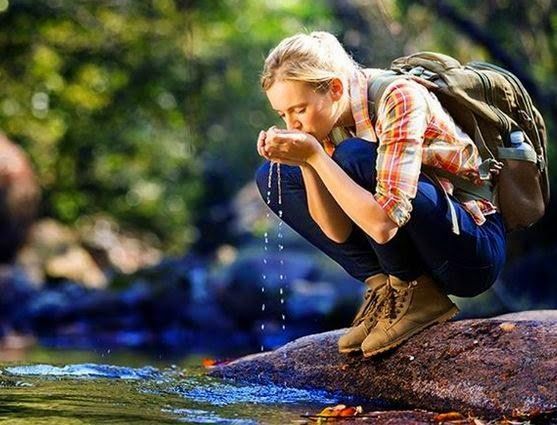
[{"x": 489, "y": 104}]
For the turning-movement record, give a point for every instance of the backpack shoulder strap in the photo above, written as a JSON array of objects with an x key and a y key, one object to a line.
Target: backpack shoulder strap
[{"x": 377, "y": 87}]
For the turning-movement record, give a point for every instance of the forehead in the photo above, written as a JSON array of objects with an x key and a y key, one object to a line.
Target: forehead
[{"x": 283, "y": 95}]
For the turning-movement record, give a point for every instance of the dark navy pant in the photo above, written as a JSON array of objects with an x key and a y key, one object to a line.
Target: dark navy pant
[{"x": 464, "y": 265}]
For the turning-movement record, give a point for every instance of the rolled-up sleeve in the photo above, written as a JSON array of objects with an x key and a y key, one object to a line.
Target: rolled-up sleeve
[{"x": 401, "y": 123}]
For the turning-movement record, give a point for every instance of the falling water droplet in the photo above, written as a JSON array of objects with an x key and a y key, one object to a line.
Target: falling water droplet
[{"x": 263, "y": 307}]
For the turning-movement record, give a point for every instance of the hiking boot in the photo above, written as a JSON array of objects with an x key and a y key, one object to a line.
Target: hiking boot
[
  {"x": 367, "y": 315},
  {"x": 409, "y": 308}
]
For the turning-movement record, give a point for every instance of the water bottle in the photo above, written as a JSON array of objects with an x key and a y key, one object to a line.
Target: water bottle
[
  {"x": 517, "y": 139},
  {"x": 517, "y": 142}
]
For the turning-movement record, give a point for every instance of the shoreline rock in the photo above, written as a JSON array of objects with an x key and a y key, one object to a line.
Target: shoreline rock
[{"x": 484, "y": 368}]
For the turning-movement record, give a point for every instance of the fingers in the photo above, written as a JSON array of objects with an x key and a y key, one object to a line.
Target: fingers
[
  {"x": 261, "y": 143},
  {"x": 262, "y": 148}
]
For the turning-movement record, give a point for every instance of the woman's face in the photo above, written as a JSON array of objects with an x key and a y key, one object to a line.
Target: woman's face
[{"x": 302, "y": 108}]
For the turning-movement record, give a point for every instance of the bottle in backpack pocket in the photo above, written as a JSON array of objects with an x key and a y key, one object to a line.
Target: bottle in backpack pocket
[
  {"x": 519, "y": 195},
  {"x": 517, "y": 139},
  {"x": 519, "y": 149}
]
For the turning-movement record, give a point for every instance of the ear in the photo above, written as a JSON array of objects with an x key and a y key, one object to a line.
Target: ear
[{"x": 336, "y": 88}]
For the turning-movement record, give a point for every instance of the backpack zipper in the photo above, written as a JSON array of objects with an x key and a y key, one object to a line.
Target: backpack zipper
[
  {"x": 489, "y": 98},
  {"x": 513, "y": 79}
]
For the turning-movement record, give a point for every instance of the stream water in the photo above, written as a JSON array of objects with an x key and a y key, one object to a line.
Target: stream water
[{"x": 70, "y": 387}]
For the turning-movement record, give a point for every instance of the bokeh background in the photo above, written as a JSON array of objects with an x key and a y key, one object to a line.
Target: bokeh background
[{"x": 129, "y": 213}]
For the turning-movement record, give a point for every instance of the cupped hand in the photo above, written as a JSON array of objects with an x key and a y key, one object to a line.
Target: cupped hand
[{"x": 292, "y": 147}]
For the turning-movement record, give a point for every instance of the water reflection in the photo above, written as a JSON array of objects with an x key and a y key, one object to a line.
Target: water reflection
[{"x": 68, "y": 387}]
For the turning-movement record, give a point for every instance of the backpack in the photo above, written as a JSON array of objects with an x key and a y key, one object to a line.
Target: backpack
[{"x": 491, "y": 105}]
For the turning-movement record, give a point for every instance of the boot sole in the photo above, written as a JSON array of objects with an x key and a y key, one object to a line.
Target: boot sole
[
  {"x": 441, "y": 319},
  {"x": 349, "y": 350}
]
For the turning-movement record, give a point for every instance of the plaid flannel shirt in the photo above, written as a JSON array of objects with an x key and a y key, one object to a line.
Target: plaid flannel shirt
[{"x": 412, "y": 128}]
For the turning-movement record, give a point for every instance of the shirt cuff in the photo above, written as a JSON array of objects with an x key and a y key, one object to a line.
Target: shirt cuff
[{"x": 394, "y": 209}]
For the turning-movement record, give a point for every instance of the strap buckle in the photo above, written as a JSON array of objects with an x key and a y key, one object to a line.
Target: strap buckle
[{"x": 488, "y": 167}]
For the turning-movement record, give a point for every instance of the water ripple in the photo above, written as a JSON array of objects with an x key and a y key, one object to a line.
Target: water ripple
[
  {"x": 86, "y": 370},
  {"x": 223, "y": 394},
  {"x": 197, "y": 416}
]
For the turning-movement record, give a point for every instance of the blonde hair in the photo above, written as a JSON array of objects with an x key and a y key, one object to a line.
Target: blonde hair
[{"x": 316, "y": 58}]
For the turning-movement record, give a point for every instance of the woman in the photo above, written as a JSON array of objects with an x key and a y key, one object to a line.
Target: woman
[{"x": 353, "y": 185}]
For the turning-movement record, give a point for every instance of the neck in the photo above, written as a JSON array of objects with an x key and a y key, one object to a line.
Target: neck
[{"x": 346, "y": 119}]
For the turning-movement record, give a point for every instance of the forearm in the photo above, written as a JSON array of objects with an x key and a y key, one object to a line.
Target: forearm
[
  {"x": 356, "y": 202},
  {"x": 324, "y": 209}
]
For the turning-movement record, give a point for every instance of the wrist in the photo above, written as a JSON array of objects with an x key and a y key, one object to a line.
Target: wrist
[{"x": 316, "y": 158}]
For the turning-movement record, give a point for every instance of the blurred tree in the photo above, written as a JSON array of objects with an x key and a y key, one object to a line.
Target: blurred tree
[{"x": 116, "y": 101}]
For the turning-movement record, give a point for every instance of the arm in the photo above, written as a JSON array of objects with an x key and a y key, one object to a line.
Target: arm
[
  {"x": 401, "y": 124},
  {"x": 358, "y": 204},
  {"x": 324, "y": 209}
]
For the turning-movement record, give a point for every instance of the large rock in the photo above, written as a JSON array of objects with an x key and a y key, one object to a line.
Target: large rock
[
  {"x": 486, "y": 368},
  {"x": 19, "y": 198}
]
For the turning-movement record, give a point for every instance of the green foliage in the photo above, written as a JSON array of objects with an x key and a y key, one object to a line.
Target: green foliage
[
  {"x": 124, "y": 106},
  {"x": 118, "y": 102},
  {"x": 498, "y": 31}
]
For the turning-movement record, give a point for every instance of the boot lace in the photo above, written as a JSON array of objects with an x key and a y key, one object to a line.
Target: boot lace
[
  {"x": 370, "y": 301},
  {"x": 394, "y": 302}
]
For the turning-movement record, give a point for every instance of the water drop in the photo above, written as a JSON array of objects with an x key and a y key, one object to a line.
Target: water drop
[
  {"x": 263, "y": 327},
  {"x": 263, "y": 307},
  {"x": 281, "y": 291}
]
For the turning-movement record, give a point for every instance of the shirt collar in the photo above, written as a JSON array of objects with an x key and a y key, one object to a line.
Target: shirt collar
[{"x": 360, "y": 110}]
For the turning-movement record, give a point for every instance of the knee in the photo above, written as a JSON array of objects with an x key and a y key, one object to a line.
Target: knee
[{"x": 353, "y": 150}]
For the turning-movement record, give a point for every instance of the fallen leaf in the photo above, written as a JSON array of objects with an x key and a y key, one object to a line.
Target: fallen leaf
[
  {"x": 507, "y": 326},
  {"x": 450, "y": 416},
  {"x": 209, "y": 363},
  {"x": 340, "y": 410}
]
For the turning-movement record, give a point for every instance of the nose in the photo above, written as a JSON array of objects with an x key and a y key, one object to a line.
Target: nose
[{"x": 293, "y": 124}]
